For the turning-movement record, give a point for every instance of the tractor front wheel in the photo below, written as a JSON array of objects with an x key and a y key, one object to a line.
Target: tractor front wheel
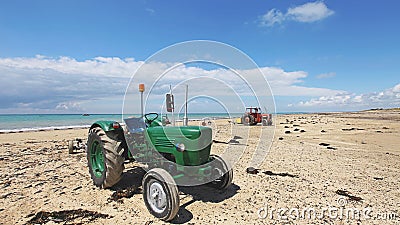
[
  {"x": 222, "y": 172},
  {"x": 104, "y": 155},
  {"x": 160, "y": 194}
]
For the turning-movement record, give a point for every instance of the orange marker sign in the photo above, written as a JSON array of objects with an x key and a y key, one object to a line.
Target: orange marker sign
[{"x": 141, "y": 87}]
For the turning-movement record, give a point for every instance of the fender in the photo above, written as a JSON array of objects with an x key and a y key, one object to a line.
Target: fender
[{"x": 106, "y": 125}]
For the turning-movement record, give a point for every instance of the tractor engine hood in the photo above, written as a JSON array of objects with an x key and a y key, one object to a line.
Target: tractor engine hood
[
  {"x": 195, "y": 139},
  {"x": 190, "y": 132}
]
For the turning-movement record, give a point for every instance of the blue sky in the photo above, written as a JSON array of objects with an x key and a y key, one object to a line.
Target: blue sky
[{"x": 349, "y": 50}]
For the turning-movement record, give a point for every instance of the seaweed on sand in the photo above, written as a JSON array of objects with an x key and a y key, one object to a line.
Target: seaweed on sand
[{"x": 66, "y": 216}]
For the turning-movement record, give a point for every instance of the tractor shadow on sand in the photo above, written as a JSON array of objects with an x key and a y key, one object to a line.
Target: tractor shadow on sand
[
  {"x": 132, "y": 179},
  {"x": 205, "y": 193},
  {"x": 202, "y": 193}
]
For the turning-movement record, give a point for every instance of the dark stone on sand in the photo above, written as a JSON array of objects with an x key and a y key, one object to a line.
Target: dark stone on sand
[
  {"x": 348, "y": 194},
  {"x": 331, "y": 148},
  {"x": 252, "y": 170},
  {"x": 297, "y": 129},
  {"x": 323, "y": 131},
  {"x": 281, "y": 138},
  {"x": 287, "y": 132},
  {"x": 286, "y": 127},
  {"x": 350, "y": 129},
  {"x": 77, "y": 188},
  {"x": 302, "y": 131},
  {"x": 324, "y": 144},
  {"x": 378, "y": 178}
]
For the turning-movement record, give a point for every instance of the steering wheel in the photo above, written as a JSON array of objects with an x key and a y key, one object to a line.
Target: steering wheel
[{"x": 150, "y": 117}]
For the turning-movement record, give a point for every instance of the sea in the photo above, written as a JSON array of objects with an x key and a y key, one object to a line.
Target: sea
[{"x": 36, "y": 122}]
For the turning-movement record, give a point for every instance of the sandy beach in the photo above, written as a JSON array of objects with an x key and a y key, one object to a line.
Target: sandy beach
[{"x": 325, "y": 160}]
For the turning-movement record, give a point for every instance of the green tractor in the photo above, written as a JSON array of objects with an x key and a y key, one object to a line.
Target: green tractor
[{"x": 173, "y": 156}]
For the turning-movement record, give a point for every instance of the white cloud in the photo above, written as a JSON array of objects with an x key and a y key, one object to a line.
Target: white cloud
[
  {"x": 326, "y": 75},
  {"x": 43, "y": 84},
  {"x": 306, "y": 13},
  {"x": 69, "y": 106},
  {"x": 272, "y": 17},
  {"x": 396, "y": 88},
  {"x": 309, "y": 12},
  {"x": 285, "y": 83},
  {"x": 104, "y": 66},
  {"x": 386, "y": 99},
  {"x": 64, "y": 84},
  {"x": 150, "y": 10}
]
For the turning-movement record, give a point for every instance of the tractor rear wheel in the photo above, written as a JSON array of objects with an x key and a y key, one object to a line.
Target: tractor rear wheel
[
  {"x": 160, "y": 194},
  {"x": 222, "y": 172},
  {"x": 105, "y": 160},
  {"x": 248, "y": 120}
]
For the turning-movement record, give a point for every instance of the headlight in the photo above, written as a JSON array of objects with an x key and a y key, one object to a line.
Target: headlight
[{"x": 180, "y": 147}]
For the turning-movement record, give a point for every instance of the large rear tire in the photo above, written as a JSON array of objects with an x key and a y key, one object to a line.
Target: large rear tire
[
  {"x": 105, "y": 160},
  {"x": 248, "y": 120},
  {"x": 223, "y": 173},
  {"x": 160, "y": 194}
]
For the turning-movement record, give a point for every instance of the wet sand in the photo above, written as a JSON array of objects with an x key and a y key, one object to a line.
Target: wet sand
[{"x": 315, "y": 159}]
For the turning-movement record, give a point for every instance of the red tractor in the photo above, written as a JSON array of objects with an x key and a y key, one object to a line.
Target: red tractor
[{"x": 253, "y": 116}]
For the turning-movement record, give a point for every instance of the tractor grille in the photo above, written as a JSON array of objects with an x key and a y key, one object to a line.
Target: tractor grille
[{"x": 163, "y": 142}]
